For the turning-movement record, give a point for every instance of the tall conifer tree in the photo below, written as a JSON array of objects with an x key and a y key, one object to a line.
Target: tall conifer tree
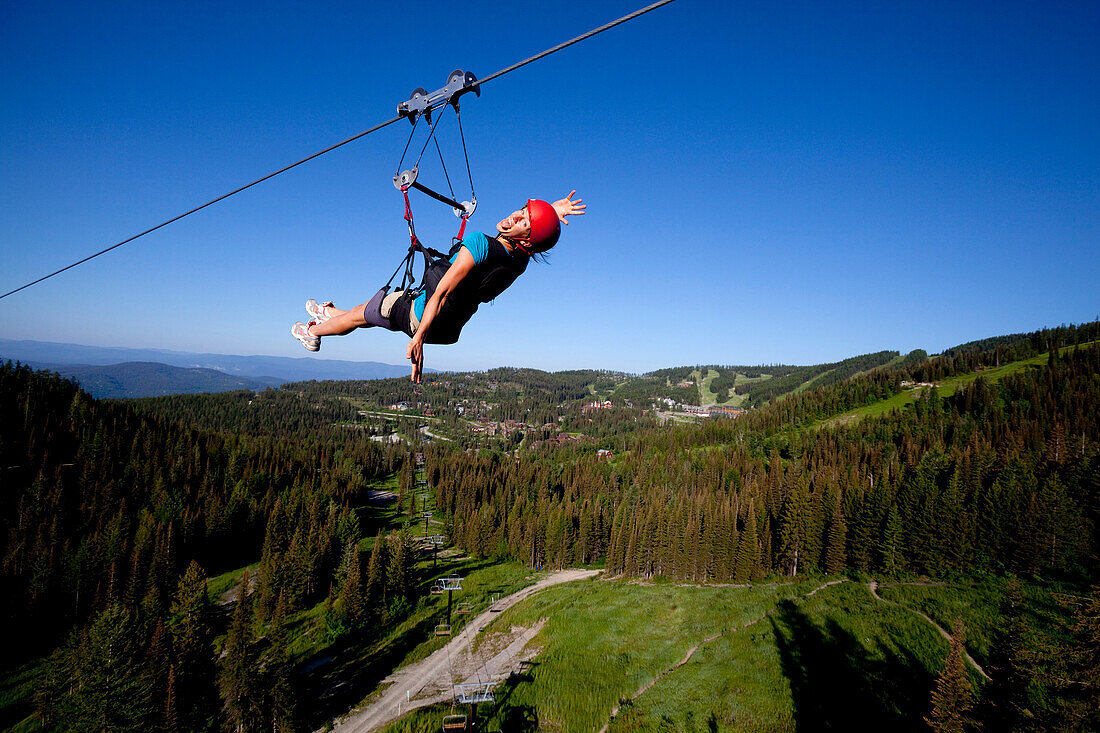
[
  {"x": 376, "y": 573},
  {"x": 354, "y": 600},
  {"x": 192, "y": 640},
  {"x": 793, "y": 529},
  {"x": 952, "y": 698},
  {"x": 236, "y": 677},
  {"x": 281, "y": 699},
  {"x": 835, "y": 552},
  {"x": 748, "y": 552}
]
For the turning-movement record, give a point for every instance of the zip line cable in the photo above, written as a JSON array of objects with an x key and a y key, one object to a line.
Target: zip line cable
[
  {"x": 200, "y": 208},
  {"x": 353, "y": 138},
  {"x": 578, "y": 39}
]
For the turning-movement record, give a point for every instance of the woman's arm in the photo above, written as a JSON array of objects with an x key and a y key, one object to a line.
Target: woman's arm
[{"x": 459, "y": 269}]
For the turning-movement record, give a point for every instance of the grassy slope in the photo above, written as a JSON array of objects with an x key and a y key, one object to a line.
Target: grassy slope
[
  {"x": 977, "y": 603},
  {"x": 708, "y": 397},
  {"x": 837, "y": 660},
  {"x": 946, "y": 388}
]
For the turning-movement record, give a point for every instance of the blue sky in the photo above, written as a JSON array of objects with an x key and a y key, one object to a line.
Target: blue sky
[{"x": 767, "y": 182}]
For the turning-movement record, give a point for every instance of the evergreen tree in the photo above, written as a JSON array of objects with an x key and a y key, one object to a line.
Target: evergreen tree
[
  {"x": 171, "y": 704},
  {"x": 280, "y": 699},
  {"x": 272, "y": 563},
  {"x": 354, "y": 601},
  {"x": 890, "y": 556},
  {"x": 376, "y": 573},
  {"x": 236, "y": 677},
  {"x": 767, "y": 559},
  {"x": 192, "y": 640},
  {"x": 794, "y": 529},
  {"x": 1075, "y": 673},
  {"x": 158, "y": 665},
  {"x": 835, "y": 552},
  {"x": 97, "y": 682},
  {"x": 398, "y": 573},
  {"x": 952, "y": 697},
  {"x": 1005, "y": 706},
  {"x": 748, "y": 553}
]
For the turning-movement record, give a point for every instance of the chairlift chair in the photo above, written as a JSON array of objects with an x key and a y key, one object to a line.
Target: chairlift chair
[
  {"x": 464, "y": 607},
  {"x": 454, "y": 723},
  {"x": 436, "y": 589},
  {"x": 442, "y": 629}
]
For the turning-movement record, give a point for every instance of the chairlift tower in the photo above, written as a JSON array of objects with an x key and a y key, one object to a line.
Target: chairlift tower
[
  {"x": 450, "y": 585},
  {"x": 436, "y": 541}
]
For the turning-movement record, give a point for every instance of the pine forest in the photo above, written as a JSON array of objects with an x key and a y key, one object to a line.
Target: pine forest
[{"x": 262, "y": 560}]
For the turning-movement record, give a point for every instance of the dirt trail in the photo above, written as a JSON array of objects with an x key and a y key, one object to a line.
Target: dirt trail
[
  {"x": 427, "y": 682},
  {"x": 826, "y": 585},
  {"x": 873, "y": 587}
]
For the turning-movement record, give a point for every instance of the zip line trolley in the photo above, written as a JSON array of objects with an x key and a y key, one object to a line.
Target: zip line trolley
[{"x": 422, "y": 105}]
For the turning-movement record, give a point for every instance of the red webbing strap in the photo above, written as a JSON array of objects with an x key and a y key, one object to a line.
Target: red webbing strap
[
  {"x": 414, "y": 243},
  {"x": 462, "y": 228}
]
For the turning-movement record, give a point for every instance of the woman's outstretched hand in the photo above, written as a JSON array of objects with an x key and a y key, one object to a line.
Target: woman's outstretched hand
[
  {"x": 568, "y": 207},
  {"x": 415, "y": 354}
]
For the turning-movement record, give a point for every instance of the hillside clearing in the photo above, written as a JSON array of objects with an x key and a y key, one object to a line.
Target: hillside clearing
[
  {"x": 627, "y": 656},
  {"x": 945, "y": 388}
]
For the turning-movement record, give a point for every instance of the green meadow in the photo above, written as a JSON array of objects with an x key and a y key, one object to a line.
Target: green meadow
[{"x": 770, "y": 657}]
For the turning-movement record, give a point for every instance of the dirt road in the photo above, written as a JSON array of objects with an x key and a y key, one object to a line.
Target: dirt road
[{"x": 427, "y": 681}]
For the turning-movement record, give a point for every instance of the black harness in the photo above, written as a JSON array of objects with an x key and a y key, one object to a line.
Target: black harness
[{"x": 484, "y": 283}]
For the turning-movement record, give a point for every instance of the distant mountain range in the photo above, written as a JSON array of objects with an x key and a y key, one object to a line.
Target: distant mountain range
[
  {"x": 150, "y": 379},
  {"x": 128, "y": 372}
]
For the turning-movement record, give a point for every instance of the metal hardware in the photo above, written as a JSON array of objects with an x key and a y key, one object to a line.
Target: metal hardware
[
  {"x": 475, "y": 692},
  {"x": 404, "y": 179},
  {"x": 420, "y": 102}
]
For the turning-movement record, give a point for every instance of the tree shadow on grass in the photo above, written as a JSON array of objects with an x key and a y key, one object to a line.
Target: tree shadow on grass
[
  {"x": 837, "y": 685},
  {"x": 509, "y": 718},
  {"x": 334, "y": 683},
  {"x": 339, "y": 677}
]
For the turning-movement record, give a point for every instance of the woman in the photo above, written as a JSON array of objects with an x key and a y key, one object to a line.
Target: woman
[{"x": 480, "y": 269}]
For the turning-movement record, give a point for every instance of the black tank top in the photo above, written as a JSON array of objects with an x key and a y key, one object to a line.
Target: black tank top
[{"x": 482, "y": 284}]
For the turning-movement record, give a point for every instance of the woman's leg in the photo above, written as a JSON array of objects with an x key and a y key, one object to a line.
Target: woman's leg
[{"x": 340, "y": 324}]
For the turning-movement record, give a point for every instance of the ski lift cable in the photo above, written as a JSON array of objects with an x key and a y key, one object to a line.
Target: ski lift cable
[{"x": 353, "y": 138}]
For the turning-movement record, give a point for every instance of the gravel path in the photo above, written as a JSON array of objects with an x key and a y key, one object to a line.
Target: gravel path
[{"x": 422, "y": 683}]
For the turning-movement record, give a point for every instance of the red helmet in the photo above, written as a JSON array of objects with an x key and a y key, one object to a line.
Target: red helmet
[{"x": 545, "y": 226}]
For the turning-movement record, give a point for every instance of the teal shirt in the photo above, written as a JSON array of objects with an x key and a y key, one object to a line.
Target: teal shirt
[{"x": 477, "y": 244}]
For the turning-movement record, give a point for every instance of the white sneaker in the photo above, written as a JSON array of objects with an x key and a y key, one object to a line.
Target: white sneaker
[
  {"x": 301, "y": 332},
  {"x": 317, "y": 310}
]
